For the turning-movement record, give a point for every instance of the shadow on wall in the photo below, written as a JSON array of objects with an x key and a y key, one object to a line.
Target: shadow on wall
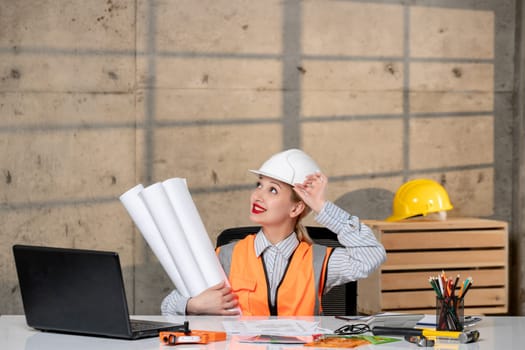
[{"x": 368, "y": 203}]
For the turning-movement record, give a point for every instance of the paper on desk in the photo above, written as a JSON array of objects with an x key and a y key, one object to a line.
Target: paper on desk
[
  {"x": 271, "y": 327},
  {"x": 273, "y": 339},
  {"x": 144, "y": 221}
]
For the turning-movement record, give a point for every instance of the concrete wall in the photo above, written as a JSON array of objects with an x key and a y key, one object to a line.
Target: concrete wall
[{"x": 98, "y": 96}]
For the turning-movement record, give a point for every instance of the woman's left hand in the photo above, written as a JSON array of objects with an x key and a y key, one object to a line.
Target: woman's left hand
[{"x": 312, "y": 191}]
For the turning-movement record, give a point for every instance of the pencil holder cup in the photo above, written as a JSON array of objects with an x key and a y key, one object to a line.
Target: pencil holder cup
[{"x": 449, "y": 314}]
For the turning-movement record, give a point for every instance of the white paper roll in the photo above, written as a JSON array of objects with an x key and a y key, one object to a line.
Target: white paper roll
[
  {"x": 160, "y": 208},
  {"x": 143, "y": 220},
  {"x": 193, "y": 227}
]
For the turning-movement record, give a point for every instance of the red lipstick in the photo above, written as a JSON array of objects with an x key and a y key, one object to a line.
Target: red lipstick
[{"x": 257, "y": 209}]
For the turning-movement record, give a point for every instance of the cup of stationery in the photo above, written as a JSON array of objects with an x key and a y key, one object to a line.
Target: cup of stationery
[
  {"x": 449, "y": 304},
  {"x": 450, "y": 313}
]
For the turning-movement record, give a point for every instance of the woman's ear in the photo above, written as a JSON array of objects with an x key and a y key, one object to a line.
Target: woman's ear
[{"x": 297, "y": 209}]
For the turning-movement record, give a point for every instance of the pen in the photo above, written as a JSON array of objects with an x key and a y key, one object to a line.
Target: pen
[
  {"x": 455, "y": 284},
  {"x": 466, "y": 283},
  {"x": 434, "y": 285},
  {"x": 465, "y": 290}
]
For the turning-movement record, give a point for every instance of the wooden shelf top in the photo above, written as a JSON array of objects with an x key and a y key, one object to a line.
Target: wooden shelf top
[{"x": 449, "y": 223}]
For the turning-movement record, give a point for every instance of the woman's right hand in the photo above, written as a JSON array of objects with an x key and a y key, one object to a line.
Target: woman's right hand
[
  {"x": 312, "y": 191},
  {"x": 216, "y": 300}
]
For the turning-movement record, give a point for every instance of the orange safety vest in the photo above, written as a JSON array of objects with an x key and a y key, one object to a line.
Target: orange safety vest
[{"x": 300, "y": 290}]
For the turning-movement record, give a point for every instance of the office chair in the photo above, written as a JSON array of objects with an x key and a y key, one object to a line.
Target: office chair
[{"x": 340, "y": 300}]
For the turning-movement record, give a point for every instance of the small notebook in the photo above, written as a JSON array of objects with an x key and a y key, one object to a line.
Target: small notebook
[{"x": 78, "y": 291}]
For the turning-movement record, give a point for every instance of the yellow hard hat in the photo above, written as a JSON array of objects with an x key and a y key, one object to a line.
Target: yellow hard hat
[{"x": 419, "y": 197}]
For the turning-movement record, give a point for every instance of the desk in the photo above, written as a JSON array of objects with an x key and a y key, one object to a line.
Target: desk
[{"x": 496, "y": 333}]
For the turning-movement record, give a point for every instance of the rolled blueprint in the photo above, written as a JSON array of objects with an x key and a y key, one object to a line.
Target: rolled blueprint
[
  {"x": 160, "y": 208},
  {"x": 147, "y": 227},
  {"x": 193, "y": 227}
]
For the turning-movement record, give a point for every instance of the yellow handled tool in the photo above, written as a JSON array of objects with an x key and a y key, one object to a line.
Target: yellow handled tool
[{"x": 462, "y": 337}]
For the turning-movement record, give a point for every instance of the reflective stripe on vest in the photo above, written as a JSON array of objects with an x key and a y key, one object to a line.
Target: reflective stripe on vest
[{"x": 300, "y": 290}]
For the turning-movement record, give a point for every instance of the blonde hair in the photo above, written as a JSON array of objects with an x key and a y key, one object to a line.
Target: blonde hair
[{"x": 300, "y": 230}]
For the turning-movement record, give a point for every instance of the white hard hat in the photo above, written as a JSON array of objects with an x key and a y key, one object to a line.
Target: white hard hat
[{"x": 291, "y": 166}]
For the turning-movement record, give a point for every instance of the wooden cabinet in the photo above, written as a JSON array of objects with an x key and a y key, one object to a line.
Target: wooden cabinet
[{"x": 419, "y": 249}]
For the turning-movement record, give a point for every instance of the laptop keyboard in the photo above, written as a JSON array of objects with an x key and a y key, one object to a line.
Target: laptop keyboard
[{"x": 142, "y": 325}]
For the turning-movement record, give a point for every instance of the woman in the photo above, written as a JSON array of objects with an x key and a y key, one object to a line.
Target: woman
[{"x": 278, "y": 270}]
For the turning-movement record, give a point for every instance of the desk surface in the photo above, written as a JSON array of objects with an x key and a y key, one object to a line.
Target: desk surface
[{"x": 496, "y": 333}]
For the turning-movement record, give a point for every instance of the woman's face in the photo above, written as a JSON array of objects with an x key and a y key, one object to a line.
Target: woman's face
[{"x": 271, "y": 202}]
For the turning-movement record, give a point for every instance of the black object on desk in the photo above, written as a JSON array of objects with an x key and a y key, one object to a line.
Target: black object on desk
[{"x": 78, "y": 291}]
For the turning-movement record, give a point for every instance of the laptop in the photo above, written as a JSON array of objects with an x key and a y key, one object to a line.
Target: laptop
[{"x": 78, "y": 291}]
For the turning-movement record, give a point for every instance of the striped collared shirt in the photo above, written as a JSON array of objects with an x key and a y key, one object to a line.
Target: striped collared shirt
[{"x": 275, "y": 258}]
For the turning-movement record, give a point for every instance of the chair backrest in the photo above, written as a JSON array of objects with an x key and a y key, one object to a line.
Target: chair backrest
[{"x": 340, "y": 300}]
